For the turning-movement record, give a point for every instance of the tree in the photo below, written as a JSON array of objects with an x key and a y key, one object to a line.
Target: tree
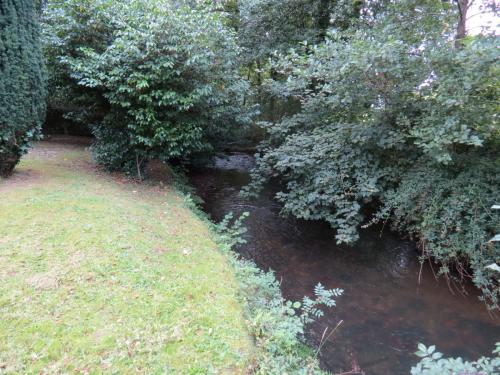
[
  {"x": 22, "y": 81},
  {"x": 163, "y": 77},
  {"x": 393, "y": 117},
  {"x": 268, "y": 26},
  {"x": 463, "y": 7}
]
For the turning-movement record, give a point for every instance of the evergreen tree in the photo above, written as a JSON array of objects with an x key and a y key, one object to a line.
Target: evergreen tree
[{"x": 22, "y": 81}]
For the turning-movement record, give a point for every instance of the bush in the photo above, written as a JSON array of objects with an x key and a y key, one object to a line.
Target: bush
[
  {"x": 164, "y": 76},
  {"x": 394, "y": 117},
  {"x": 448, "y": 211},
  {"x": 22, "y": 81}
]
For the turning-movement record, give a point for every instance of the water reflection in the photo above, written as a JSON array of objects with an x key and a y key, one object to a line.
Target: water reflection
[{"x": 385, "y": 312}]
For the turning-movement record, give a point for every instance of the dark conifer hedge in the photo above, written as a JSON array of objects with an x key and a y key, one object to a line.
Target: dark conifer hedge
[{"x": 22, "y": 81}]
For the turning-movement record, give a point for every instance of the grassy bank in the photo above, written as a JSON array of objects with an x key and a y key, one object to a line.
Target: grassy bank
[{"x": 99, "y": 274}]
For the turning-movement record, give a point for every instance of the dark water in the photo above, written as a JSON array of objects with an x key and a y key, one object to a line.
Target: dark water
[{"x": 385, "y": 312}]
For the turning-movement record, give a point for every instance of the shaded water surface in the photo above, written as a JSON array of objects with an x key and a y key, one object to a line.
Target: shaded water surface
[{"x": 385, "y": 312}]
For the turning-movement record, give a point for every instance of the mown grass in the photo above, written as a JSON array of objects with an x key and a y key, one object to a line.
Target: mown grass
[{"x": 101, "y": 275}]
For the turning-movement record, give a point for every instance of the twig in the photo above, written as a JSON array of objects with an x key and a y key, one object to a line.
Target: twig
[
  {"x": 421, "y": 266},
  {"x": 138, "y": 165},
  {"x": 322, "y": 342},
  {"x": 355, "y": 371}
]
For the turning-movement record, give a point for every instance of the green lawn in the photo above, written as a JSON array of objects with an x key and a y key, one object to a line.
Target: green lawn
[{"x": 103, "y": 275}]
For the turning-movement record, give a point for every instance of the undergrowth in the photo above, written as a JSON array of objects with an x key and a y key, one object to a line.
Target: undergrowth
[{"x": 276, "y": 324}]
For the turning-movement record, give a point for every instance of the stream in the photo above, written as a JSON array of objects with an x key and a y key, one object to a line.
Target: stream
[{"x": 384, "y": 311}]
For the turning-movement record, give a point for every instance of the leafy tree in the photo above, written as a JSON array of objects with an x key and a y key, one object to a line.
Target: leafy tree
[
  {"x": 393, "y": 116},
  {"x": 164, "y": 76},
  {"x": 267, "y": 26},
  {"x": 67, "y": 27},
  {"x": 22, "y": 81}
]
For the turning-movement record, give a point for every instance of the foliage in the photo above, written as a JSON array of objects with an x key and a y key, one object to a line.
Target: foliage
[
  {"x": 433, "y": 363},
  {"x": 448, "y": 210},
  {"x": 277, "y": 324},
  {"x": 393, "y": 116},
  {"x": 163, "y": 75},
  {"x": 22, "y": 81},
  {"x": 267, "y": 26},
  {"x": 68, "y": 26}
]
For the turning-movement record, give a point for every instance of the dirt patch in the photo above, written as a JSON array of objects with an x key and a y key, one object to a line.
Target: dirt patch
[
  {"x": 161, "y": 250},
  {"x": 50, "y": 154},
  {"x": 69, "y": 140},
  {"x": 76, "y": 259},
  {"x": 52, "y": 149},
  {"x": 157, "y": 171},
  {"x": 26, "y": 177},
  {"x": 67, "y": 152},
  {"x": 44, "y": 281}
]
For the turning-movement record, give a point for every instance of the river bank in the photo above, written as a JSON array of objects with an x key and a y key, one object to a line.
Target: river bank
[
  {"x": 385, "y": 311},
  {"x": 102, "y": 274}
]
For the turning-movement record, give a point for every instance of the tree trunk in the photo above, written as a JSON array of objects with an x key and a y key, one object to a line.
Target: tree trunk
[
  {"x": 259, "y": 81},
  {"x": 323, "y": 18},
  {"x": 7, "y": 163},
  {"x": 463, "y": 7}
]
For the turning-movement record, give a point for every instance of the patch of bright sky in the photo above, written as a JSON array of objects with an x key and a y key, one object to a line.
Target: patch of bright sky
[{"x": 482, "y": 19}]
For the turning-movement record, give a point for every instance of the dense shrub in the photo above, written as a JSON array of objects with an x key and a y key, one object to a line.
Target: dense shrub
[
  {"x": 22, "y": 81},
  {"x": 393, "y": 115},
  {"x": 448, "y": 211},
  {"x": 163, "y": 75},
  {"x": 68, "y": 28}
]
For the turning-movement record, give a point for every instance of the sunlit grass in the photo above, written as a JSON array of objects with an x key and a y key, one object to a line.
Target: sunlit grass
[{"x": 101, "y": 275}]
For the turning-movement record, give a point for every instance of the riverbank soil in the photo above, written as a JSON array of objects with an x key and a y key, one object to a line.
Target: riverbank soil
[{"x": 101, "y": 274}]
